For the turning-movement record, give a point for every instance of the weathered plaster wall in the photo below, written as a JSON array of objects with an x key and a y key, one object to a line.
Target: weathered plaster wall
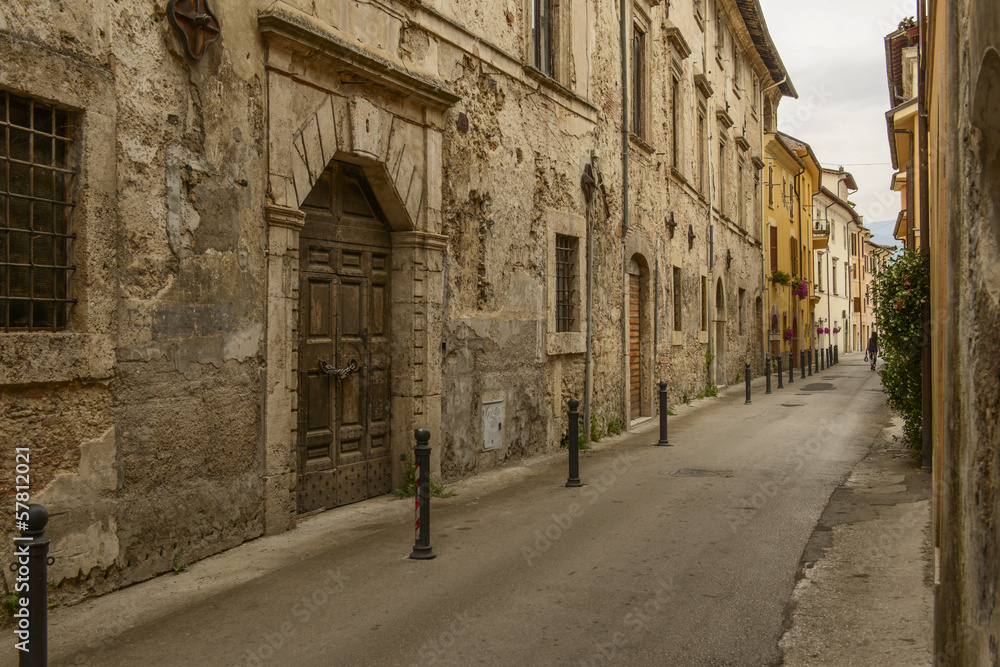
[
  {"x": 967, "y": 620},
  {"x": 188, "y": 384},
  {"x": 155, "y": 388}
]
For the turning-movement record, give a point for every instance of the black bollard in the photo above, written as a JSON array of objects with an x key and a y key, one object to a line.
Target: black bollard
[
  {"x": 802, "y": 363},
  {"x": 663, "y": 416},
  {"x": 422, "y": 457},
  {"x": 815, "y": 354},
  {"x": 829, "y": 357},
  {"x": 822, "y": 360},
  {"x": 791, "y": 368},
  {"x": 780, "y": 373},
  {"x": 767, "y": 373},
  {"x": 809, "y": 358},
  {"x": 31, "y": 553},
  {"x": 574, "y": 444},
  {"x": 836, "y": 354},
  {"x": 746, "y": 372}
]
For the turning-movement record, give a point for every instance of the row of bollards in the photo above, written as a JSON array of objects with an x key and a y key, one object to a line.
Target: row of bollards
[{"x": 422, "y": 451}]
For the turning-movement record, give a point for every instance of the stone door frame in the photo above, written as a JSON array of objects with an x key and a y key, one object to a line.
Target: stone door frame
[{"x": 391, "y": 126}]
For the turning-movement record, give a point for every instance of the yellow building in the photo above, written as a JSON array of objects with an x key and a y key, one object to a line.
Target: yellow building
[
  {"x": 792, "y": 175},
  {"x": 958, "y": 139},
  {"x": 901, "y": 60}
]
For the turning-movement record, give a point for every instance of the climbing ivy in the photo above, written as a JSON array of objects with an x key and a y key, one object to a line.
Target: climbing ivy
[{"x": 900, "y": 289}]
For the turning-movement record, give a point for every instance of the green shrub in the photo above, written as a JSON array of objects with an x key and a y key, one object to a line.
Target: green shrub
[
  {"x": 900, "y": 290},
  {"x": 596, "y": 430}
]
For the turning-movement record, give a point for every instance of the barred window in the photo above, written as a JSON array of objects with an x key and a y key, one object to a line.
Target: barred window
[
  {"x": 37, "y": 168},
  {"x": 565, "y": 283}
]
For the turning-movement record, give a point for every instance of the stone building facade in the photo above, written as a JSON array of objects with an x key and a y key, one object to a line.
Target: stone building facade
[{"x": 278, "y": 236}]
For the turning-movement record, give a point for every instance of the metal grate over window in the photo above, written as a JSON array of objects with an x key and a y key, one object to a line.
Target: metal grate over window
[
  {"x": 565, "y": 282},
  {"x": 36, "y": 183}
]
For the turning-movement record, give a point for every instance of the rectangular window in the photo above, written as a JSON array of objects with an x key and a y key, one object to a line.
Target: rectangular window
[
  {"x": 678, "y": 303},
  {"x": 565, "y": 283},
  {"x": 770, "y": 186},
  {"x": 704, "y": 303},
  {"x": 756, "y": 204},
  {"x": 674, "y": 129},
  {"x": 740, "y": 303},
  {"x": 638, "y": 92},
  {"x": 701, "y": 149},
  {"x": 740, "y": 197},
  {"x": 774, "y": 248},
  {"x": 541, "y": 34},
  {"x": 723, "y": 200},
  {"x": 819, "y": 274},
  {"x": 795, "y": 257},
  {"x": 755, "y": 94},
  {"x": 37, "y": 170},
  {"x": 833, "y": 276},
  {"x": 720, "y": 35}
]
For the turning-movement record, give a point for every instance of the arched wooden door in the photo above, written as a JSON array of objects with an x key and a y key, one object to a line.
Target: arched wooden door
[
  {"x": 344, "y": 324},
  {"x": 635, "y": 342}
]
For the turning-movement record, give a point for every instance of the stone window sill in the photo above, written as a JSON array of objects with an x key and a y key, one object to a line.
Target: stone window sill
[
  {"x": 37, "y": 357},
  {"x": 565, "y": 342}
]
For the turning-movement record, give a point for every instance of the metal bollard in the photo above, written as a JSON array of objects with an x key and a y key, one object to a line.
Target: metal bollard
[
  {"x": 822, "y": 360},
  {"x": 829, "y": 357},
  {"x": 836, "y": 354},
  {"x": 816, "y": 359},
  {"x": 780, "y": 373},
  {"x": 664, "y": 442},
  {"x": 422, "y": 457},
  {"x": 31, "y": 558},
  {"x": 767, "y": 373},
  {"x": 809, "y": 358},
  {"x": 791, "y": 368},
  {"x": 574, "y": 444},
  {"x": 802, "y": 363},
  {"x": 746, "y": 372}
]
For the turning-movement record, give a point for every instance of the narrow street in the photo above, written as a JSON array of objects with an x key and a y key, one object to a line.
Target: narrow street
[{"x": 684, "y": 555}]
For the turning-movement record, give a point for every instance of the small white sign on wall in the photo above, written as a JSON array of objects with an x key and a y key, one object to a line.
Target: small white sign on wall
[{"x": 492, "y": 425}]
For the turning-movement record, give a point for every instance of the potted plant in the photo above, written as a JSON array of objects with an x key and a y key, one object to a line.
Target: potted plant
[
  {"x": 787, "y": 335},
  {"x": 800, "y": 288},
  {"x": 779, "y": 277}
]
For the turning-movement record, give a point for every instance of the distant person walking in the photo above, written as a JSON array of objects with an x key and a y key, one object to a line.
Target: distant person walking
[{"x": 873, "y": 348}]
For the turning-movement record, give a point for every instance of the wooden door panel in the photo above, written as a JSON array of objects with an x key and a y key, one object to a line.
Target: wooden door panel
[
  {"x": 317, "y": 490},
  {"x": 635, "y": 382},
  {"x": 352, "y": 485},
  {"x": 343, "y": 444}
]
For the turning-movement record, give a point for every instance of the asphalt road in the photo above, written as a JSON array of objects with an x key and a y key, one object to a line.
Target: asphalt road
[{"x": 682, "y": 555}]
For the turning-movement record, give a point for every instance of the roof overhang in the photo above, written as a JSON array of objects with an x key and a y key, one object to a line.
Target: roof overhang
[
  {"x": 753, "y": 19},
  {"x": 901, "y": 118}
]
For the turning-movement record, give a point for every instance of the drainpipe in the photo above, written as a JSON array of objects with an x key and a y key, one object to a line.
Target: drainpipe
[
  {"x": 927, "y": 408},
  {"x": 623, "y": 18},
  {"x": 656, "y": 303},
  {"x": 709, "y": 288},
  {"x": 587, "y": 364}
]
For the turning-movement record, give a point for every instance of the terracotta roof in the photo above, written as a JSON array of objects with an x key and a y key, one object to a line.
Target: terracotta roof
[
  {"x": 753, "y": 19},
  {"x": 895, "y": 42}
]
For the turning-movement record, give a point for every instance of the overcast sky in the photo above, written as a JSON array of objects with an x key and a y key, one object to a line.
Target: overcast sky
[{"x": 835, "y": 55}]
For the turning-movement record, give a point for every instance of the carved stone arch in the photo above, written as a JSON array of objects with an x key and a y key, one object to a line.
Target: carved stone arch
[{"x": 355, "y": 130}]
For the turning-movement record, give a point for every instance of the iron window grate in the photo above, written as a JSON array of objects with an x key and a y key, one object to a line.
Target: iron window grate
[
  {"x": 37, "y": 173},
  {"x": 565, "y": 282}
]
